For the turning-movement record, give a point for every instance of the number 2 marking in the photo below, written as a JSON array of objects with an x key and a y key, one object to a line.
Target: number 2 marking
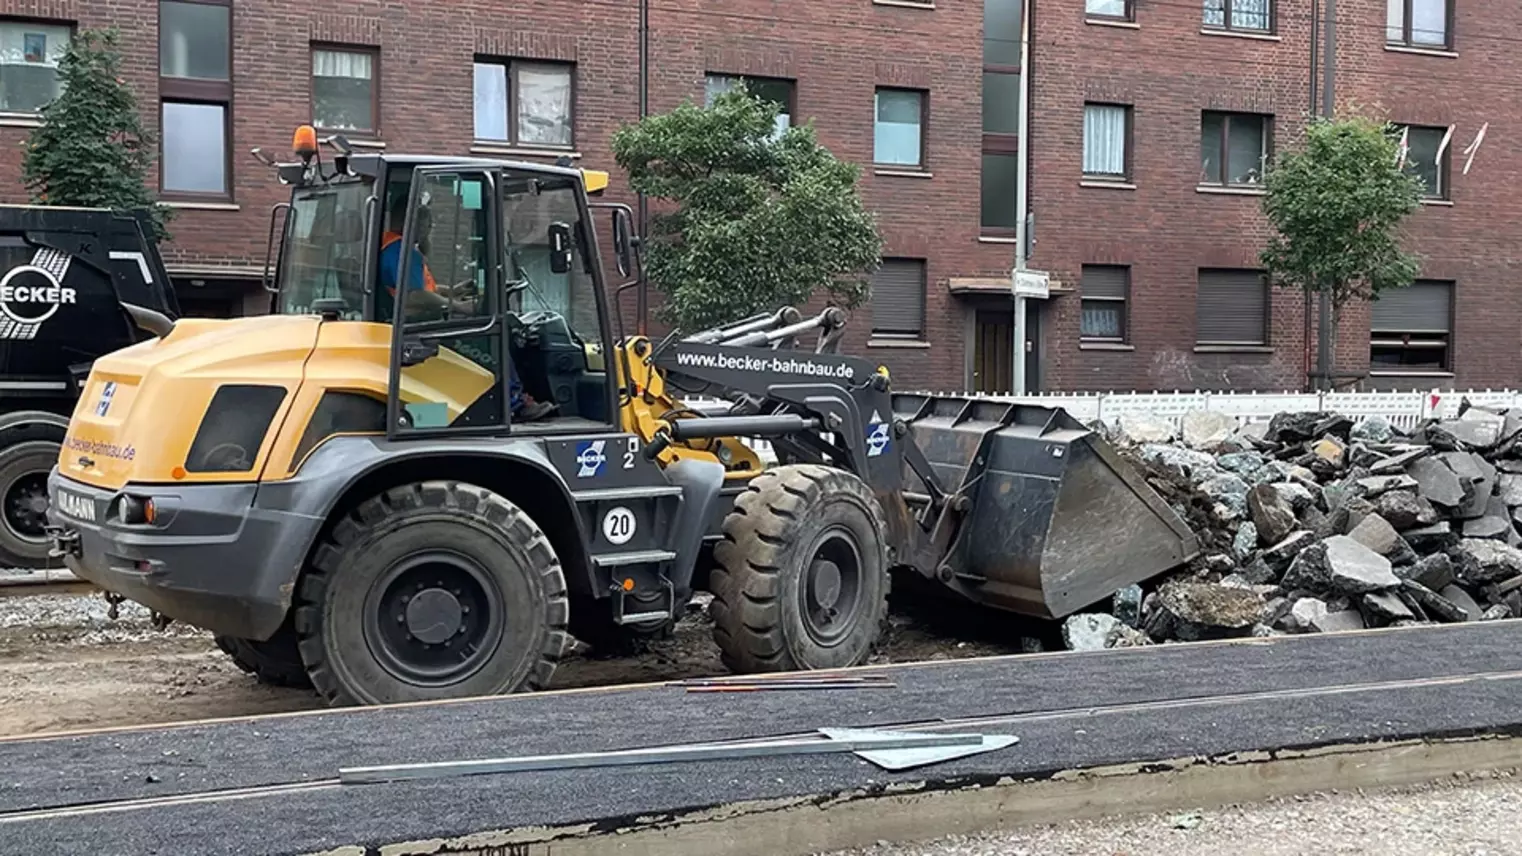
[{"x": 629, "y": 455}]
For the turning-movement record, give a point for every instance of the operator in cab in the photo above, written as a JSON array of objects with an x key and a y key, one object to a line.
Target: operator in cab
[{"x": 459, "y": 297}]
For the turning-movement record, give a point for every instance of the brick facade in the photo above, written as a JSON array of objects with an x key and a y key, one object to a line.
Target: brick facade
[{"x": 1160, "y": 223}]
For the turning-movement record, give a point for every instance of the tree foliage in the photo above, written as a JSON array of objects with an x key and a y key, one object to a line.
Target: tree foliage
[
  {"x": 92, "y": 149},
  {"x": 761, "y": 219},
  {"x": 1336, "y": 204}
]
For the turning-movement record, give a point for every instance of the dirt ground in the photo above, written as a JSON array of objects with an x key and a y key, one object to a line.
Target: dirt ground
[{"x": 66, "y": 665}]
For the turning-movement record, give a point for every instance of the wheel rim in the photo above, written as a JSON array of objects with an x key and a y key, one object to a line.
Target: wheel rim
[
  {"x": 829, "y": 594},
  {"x": 434, "y": 618},
  {"x": 26, "y": 506}
]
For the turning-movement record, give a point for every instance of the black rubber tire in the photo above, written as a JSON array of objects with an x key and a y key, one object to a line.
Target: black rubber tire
[
  {"x": 275, "y": 661},
  {"x": 484, "y": 528},
  {"x": 27, "y": 458},
  {"x": 770, "y": 539}
]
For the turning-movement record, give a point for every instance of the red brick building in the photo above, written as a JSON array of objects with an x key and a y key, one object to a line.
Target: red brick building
[{"x": 1151, "y": 256}]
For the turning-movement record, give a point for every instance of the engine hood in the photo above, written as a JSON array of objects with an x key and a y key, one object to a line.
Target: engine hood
[{"x": 139, "y": 411}]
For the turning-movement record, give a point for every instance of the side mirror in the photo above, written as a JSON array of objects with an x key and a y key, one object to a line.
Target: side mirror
[
  {"x": 623, "y": 241},
  {"x": 560, "y": 248}
]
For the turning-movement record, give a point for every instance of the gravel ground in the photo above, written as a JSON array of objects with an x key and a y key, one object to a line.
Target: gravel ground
[
  {"x": 65, "y": 664},
  {"x": 1464, "y": 816}
]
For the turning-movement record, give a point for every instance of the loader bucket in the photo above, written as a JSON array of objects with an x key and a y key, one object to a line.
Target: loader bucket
[{"x": 1057, "y": 522}]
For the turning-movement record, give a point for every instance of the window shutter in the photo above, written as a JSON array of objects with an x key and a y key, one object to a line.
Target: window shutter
[
  {"x": 1231, "y": 307},
  {"x": 1422, "y": 307},
  {"x": 1103, "y": 281},
  {"x": 898, "y": 298}
]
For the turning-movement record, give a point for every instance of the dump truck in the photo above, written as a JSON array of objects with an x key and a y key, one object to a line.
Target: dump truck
[
  {"x": 363, "y": 491},
  {"x": 64, "y": 274}
]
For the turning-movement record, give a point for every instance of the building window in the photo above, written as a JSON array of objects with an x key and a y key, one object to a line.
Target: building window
[
  {"x": 1231, "y": 307},
  {"x": 1120, "y": 10},
  {"x": 345, "y": 94},
  {"x": 1421, "y": 159},
  {"x": 1106, "y": 141},
  {"x": 1419, "y": 23},
  {"x": 899, "y": 128},
  {"x": 1251, "y": 16},
  {"x": 1234, "y": 148},
  {"x": 898, "y": 300},
  {"x": 1410, "y": 328},
  {"x": 521, "y": 103},
  {"x": 1001, "y": 116},
  {"x": 1103, "y": 290},
  {"x": 196, "y": 94},
  {"x": 779, "y": 91},
  {"x": 29, "y": 54}
]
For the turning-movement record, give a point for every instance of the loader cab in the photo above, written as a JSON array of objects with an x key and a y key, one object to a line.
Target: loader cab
[{"x": 503, "y": 273}]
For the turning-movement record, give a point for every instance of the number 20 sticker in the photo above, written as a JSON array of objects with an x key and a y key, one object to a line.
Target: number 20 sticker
[{"x": 618, "y": 525}]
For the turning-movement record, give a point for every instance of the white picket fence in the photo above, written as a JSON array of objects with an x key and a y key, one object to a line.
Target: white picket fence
[{"x": 1403, "y": 409}]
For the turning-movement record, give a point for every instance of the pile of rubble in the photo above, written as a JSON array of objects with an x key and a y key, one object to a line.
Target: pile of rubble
[{"x": 1316, "y": 522}]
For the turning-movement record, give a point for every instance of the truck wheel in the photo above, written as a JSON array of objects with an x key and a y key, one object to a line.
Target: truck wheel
[
  {"x": 432, "y": 590},
  {"x": 275, "y": 661},
  {"x": 24, "y": 469},
  {"x": 801, "y": 580}
]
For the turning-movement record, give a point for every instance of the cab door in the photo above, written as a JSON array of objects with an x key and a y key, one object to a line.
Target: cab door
[{"x": 450, "y": 362}]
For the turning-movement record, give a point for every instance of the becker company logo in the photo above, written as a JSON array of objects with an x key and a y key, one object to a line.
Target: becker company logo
[{"x": 32, "y": 293}]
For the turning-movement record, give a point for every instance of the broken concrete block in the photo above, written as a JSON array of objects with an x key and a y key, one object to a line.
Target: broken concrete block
[
  {"x": 1434, "y": 604},
  {"x": 1089, "y": 631},
  {"x": 1297, "y": 495},
  {"x": 1336, "y": 622},
  {"x": 1257, "y": 572},
  {"x": 1378, "y": 535},
  {"x": 1207, "y": 429},
  {"x": 1303, "y": 615},
  {"x": 1496, "y": 613},
  {"x": 1488, "y": 527},
  {"x": 1194, "y": 466},
  {"x": 1509, "y": 489},
  {"x": 1375, "y": 429},
  {"x": 1434, "y": 571},
  {"x": 1281, "y": 554},
  {"x": 1273, "y": 515},
  {"x": 1245, "y": 542},
  {"x": 1399, "y": 461},
  {"x": 1127, "y": 605},
  {"x": 1293, "y": 427},
  {"x": 1139, "y": 428},
  {"x": 1437, "y": 482},
  {"x": 1403, "y": 509},
  {"x": 1340, "y": 564},
  {"x": 1432, "y": 538},
  {"x": 1476, "y": 429},
  {"x": 1373, "y": 486},
  {"x": 1329, "y": 450},
  {"x": 1462, "y": 600},
  {"x": 1244, "y": 464},
  {"x": 1203, "y": 610},
  {"x": 1479, "y": 561},
  {"x": 1385, "y": 606}
]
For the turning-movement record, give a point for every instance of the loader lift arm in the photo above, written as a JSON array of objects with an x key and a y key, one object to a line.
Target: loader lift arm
[{"x": 1011, "y": 505}]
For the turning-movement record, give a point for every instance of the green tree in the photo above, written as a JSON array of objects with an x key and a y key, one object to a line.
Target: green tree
[
  {"x": 1336, "y": 205},
  {"x": 92, "y": 149},
  {"x": 761, "y": 219}
]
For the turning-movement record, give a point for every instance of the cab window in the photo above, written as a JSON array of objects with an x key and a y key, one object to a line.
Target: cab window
[
  {"x": 448, "y": 262},
  {"x": 530, "y": 206}
]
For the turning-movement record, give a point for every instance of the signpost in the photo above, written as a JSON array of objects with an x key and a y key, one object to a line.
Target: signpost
[{"x": 1025, "y": 283}]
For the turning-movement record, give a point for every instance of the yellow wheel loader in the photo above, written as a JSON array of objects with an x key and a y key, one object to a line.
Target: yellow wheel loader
[{"x": 363, "y": 489}]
